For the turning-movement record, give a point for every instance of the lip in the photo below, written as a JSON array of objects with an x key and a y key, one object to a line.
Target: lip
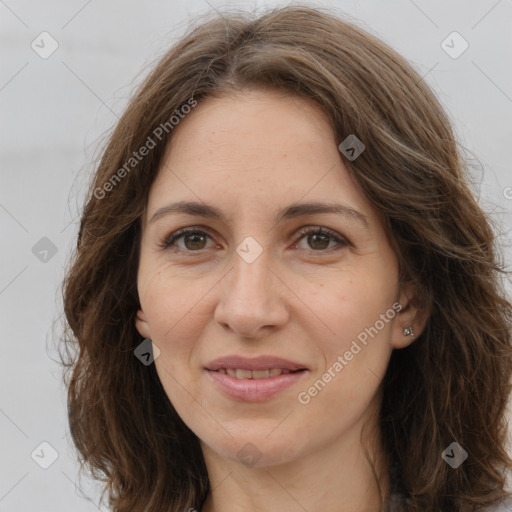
[
  {"x": 254, "y": 390},
  {"x": 256, "y": 363}
]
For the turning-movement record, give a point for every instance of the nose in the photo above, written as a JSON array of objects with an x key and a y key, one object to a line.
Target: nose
[{"x": 253, "y": 299}]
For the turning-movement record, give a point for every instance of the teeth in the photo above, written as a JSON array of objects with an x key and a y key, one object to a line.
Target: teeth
[
  {"x": 254, "y": 374},
  {"x": 243, "y": 374},
  {"x": 260, "y": 374}
]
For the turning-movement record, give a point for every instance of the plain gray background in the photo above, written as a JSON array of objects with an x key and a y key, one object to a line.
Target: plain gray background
[{"x": 54, "y": 114}]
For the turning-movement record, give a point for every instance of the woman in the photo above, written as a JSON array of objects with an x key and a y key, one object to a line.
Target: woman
[{"x": 284, "y": 296}]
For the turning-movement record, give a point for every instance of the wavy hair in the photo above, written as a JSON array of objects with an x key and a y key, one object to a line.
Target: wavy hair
[{"x": 451, "y": 384}]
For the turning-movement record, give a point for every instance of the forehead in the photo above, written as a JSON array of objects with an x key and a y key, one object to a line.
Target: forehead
[
  {"x": 268, "y": 126},
  {"x": 259, "y": 149}
]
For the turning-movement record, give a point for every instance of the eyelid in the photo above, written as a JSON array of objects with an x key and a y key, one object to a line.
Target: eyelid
[
  {"x": 168, "y": 239},
  {"x": 299, "y": 234},
  {"x": 312, "y": 229}
]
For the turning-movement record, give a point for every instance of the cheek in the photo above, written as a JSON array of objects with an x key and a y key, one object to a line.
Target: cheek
[
  {"x": 350, "y": 304},
  {"x": 165, "y": 297},
  {"x": 356, "y": 351},
  {"x": 171, "y": 308}
]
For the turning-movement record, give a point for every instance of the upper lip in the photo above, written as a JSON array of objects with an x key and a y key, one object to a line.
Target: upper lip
[{"x": 256, "y": 363}]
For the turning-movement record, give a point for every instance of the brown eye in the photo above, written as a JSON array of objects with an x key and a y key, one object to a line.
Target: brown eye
[
  {"x": 192, "y": 240},
  {"x": 319, "y": 239}
]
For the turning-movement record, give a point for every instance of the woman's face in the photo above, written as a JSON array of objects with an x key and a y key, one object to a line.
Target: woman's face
[{"x": 257, "y": 288}]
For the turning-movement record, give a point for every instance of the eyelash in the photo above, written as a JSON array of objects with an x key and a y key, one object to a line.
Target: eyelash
[{"x": 170, "y": 240}]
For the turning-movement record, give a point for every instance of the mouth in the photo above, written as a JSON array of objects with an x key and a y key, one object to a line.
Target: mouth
[
  {"x": 254, "y": 380},
  {"x": 235, "y": 363},
  {"x": 239, "y": 373}
]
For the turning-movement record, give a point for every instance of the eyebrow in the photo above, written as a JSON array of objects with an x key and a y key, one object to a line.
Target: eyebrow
[{"x": 295, "y": 210}]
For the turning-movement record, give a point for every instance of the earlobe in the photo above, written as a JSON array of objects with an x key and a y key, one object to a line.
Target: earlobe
[
  {"x": 411, "y": 319},
  {"x": 409, "y": 331},
  {"x": 142, "y": 325},
  {"x": 402, "y": 337}
]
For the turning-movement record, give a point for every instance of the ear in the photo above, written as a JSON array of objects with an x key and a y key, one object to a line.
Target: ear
[
  {"x": 142, "y": 325},
  {"x": 409, "y": 316}
]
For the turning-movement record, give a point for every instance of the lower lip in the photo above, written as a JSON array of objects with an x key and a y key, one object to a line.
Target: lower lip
[{"x": 254, "y": 390}]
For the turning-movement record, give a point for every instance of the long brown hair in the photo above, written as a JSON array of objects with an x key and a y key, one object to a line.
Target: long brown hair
[{"x": 450, "y": 385}]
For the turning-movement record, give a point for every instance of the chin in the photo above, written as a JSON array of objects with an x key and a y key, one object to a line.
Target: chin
[{"x": 258, "y": 450}]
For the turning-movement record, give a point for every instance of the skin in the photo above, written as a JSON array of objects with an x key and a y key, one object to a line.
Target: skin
[{"x": 304, "y": 299}]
